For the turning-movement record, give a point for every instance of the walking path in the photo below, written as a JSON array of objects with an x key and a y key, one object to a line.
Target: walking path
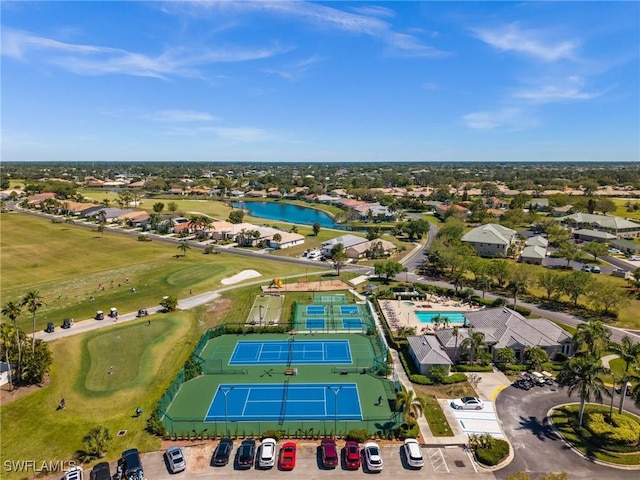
[{"x": 607, "y": 358}]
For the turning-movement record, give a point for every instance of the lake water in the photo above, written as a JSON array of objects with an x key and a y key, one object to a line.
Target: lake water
[{"x": 286, "y": 212}]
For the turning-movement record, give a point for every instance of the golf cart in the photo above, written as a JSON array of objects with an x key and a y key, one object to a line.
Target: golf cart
[
  {"x": 113, "y": 312},
  {"x": 67, "y": 323},
  {"x": 143, "y": 312},
  {"x": 99, "y": 315},
  {"x": 50, "y": 327}
]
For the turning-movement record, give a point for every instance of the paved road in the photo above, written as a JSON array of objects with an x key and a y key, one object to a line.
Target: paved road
[{"x": 537, "y": 447}]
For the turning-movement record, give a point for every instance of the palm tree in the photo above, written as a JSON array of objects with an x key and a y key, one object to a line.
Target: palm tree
[
  {"x": 183, "y": 247},
  {"x": 629, "y": 352},
  {"x": 593, "y": 335},
  {"x": 12, "y": 310},
  {"x": 6, "y": 332},
  {"x": 456, "y": 332},
  {"x": 583, "y": 374},
  {"x": 408, "y": 404},
  {"x": 536, "y": 356},
  {"x": 473, "y": 343},
  {"x": 33, "y": 302}
]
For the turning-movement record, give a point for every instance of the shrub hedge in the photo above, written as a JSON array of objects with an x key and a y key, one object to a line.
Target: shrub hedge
[
  {"x": 619, "y": 430},
  {"x": 472, "y": 368},
  {"x": 494, "y": 454},
  {"x": 454, "y": 378}
]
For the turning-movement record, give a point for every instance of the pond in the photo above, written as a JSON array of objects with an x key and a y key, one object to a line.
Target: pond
[{"x": 286, "y": 212}]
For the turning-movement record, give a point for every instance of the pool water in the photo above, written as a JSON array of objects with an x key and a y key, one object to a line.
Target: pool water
[
  {"x": 427, "y": 317},
  {"x": 409, "y": 304}
]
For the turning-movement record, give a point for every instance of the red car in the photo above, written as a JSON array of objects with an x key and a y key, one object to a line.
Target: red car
[
  {"x": 352, "y": 455},
  {"x": 287, "y": 456}
]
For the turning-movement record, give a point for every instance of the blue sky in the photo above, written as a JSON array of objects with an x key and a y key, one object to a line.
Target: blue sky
[{"x": 323, "y": 81}]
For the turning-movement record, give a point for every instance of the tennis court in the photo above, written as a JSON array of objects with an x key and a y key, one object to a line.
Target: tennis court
[
  {"x": 315, "y": 310},
  {"x": 291, "y": 352},
  {"x": 242, "y": 402},
  {"x": 348, "y": 309},
  {"x": 350, "y": 323},
  {"x": 315, "y": 324}
]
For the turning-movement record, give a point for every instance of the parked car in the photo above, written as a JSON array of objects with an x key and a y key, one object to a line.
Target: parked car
[
  {"x": 267, "y": 457},
  {"x": 74, "y": 473},
  {"x": 635, "y": 258},
  {"x": 586, "y": 268},
  {"x": 614, "y": 251},
  {"x": 413, "y": 452},
  {"x": 67, "y": 323},
  {"x": 175, "y": 459},
  {"x": 329, "y": 453},
  {"x": 101, "y": 471},
  {"x": 373, "y": 457},
  {"x": 130, "y": 464},
  {"x": 287, "y": 459},
  {"x": 467, "y": 403},
  {"x": 595, "y": 269},
  {"x": 352, "y": 455},
  {"x": 246, "y": 454},
  {"x": 222, "y": 452},
  {"x": 50, "y": 327}
]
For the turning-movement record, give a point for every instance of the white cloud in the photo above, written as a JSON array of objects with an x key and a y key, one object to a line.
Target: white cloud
[
  {"x": 512, "y": 38},
  {"x": 293, "y": 71},
  {"x": 181, "y": 116},
  {"x": 568, "y": 89},
  {"x": 364, "y": 21},
  {"x": 508, "y": 118},
  {"x": 96, "y": 60}
]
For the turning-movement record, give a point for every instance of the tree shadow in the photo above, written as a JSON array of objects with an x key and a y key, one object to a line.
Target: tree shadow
[{"x": 541, "y": 429}]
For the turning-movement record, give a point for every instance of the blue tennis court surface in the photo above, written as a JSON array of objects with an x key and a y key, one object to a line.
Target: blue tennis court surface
[
  {"x": 315, "y": 310},
  {"x": 314, "y": 323},
  {"x": 348, "y": 309},
  {"x": 296, "y": 352},
  {"x": 351, "y": 323},
  {"x": 305, "y": 401}
]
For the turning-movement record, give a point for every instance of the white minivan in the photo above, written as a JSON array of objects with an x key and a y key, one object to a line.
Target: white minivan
[{"x": 413, "y": 452}]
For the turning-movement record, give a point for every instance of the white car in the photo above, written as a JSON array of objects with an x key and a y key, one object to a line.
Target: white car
[
  {"x": 413, "y": 452},
  {"x": 267, "y": 457},
  {"x": 635, "y": 258},
  {"x": 467, "y": 403},
  {"x": 373, "y": 457},
  {"x": 614, "y": 250},
  {"x": 74, "y": 473}
]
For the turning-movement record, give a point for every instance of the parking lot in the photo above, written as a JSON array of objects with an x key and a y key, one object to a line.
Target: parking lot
[
  {"x": 479, "y": 421},
  {"x": 438, "y": 461}
]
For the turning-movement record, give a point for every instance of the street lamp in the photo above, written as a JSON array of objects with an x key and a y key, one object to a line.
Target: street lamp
[
  {"x": 225, "y": 391},
  {"x": 336, "y": 391}
]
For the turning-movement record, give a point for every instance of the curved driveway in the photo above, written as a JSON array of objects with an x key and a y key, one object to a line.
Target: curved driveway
[{"x": 536, "y": 447}]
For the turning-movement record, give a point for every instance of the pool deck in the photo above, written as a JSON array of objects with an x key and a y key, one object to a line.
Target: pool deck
[{"x": 398, "y": 314}]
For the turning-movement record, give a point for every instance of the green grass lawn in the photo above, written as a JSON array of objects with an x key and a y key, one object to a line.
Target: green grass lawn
[
  {"x": 66, "y": 264},
  {"x": 564, "y": 418},
  {"x": 621, "y": 209},
  {"x": 145, "y": 358}
]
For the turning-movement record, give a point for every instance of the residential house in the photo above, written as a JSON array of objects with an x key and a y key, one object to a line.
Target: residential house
[
  {"x": 427, "y": 353},
  {"x": 626, "y": 246},
  {"x": 620, "y": 227},
  {"x": 287, "y": 239},
  {"x": 347, "y": 241},
  {"x": 105, "y": 214},
  {"x": 533, "y": 254},
  {"x": 441, "y": 211},
  {"x": 537, "y": 241},
  {"x": 135, "y": 219},
  {"x": 491, "y": 239},
  {"x": 561, "y": 211},
  {"x": 379, "y": 246},
  {"x": 590, "y": 235}
]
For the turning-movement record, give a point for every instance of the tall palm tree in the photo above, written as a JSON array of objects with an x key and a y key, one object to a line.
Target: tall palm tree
[
  {"x": 456, "y": 333},
  {"x": 6, "y": 334},
  {"x": 629, "y": 352},
  {"x": 409, "y": 404},
  {"x": 473, "y": 343},
  {"x": 12, "y": 310},
  {"x": 583, "y": 374},
  {"x": 593, "y": 336},
  {"x": 33, "y": 302}
]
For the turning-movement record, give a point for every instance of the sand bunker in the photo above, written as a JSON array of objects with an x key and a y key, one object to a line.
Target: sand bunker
[{"x": 243, "y": 275}]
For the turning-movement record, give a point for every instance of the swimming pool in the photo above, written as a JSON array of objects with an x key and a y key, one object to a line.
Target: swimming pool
[{"x": 427, "y": 317}]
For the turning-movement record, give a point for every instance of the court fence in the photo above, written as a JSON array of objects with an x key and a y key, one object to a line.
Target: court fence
[{"x": 378, "y": 427}]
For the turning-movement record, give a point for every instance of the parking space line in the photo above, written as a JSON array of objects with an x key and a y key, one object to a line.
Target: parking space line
[{"x": 438, "y": 462}]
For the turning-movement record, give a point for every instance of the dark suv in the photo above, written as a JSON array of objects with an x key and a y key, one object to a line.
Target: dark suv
[
  {"x": 246, "y": 454},
  {"x": 101, "y": 472},
  {"x": 222, "y": 452},
  {"x": 130, "y": 465}
]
